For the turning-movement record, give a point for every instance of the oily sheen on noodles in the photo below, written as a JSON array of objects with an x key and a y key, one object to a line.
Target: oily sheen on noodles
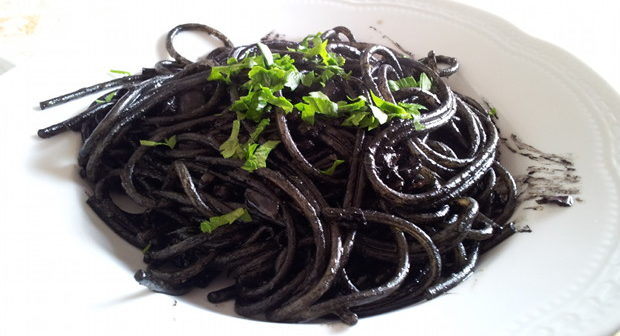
[{"x": 325, "y": 177}]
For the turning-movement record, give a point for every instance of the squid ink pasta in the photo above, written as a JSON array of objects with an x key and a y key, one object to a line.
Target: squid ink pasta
[{"x": 325, "y": 178}]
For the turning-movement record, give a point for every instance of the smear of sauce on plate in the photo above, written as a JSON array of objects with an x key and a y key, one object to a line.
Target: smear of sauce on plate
[{"x": 550, "y": 179}]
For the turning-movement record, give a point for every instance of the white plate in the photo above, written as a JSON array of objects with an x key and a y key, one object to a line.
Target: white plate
[{"x": 63, "y": 271}]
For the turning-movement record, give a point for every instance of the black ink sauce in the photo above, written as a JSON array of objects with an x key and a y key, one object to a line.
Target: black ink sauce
[
  {"x": 396, "y": 44},
  {"x": 550, "y": 179},
  {"x": 563, "y": 200},
  {"x": 272, "y": 35}
]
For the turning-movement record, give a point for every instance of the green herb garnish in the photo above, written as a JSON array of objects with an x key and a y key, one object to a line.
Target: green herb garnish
[
  {"x": 146, "y": 248},
  {"x": 316, "y": 102},
  {"x": 239, "y": 214},
  {"x": 231, "y": 147},
  {"x": 256, "y": 155},
  {"x": 403, "y": 83},
  {"x": 332, "y": 169},
  {"x": 314, "y": 49},
  {"x": 170, "y": 142},
  {"x": 121, "y": 72},
  {"x": 256, "y": 103},
  {"x": 318, "y": 51},
  {"x": 492, "y": 112},
  {"x": 359, "y": 113},
  {"x": 404, "y": 111},
  {"x": 108, "y": 98},
  {"x": 266, "y": 53},
  {"x": 259, "y": 129},
  {"x": 234, "y": 67},
  {"x": 266, "y": 77},
  {"x": 309, "y": 78},
  {"x": 423, "y": 83}
]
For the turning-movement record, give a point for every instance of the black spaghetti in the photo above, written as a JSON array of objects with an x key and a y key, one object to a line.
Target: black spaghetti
[{"x": 326, "y": 177}]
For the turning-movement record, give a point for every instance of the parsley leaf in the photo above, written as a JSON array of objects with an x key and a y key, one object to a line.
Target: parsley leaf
[
  {"x": 309, "y": 78},
  {"x": 147, "y": 248},
  {"x": 390, "y": 108},
  {"x": 425, "y": 82},
  {"x": 319, "y": 48},
  {"x": 108, "y": 98},
  {"x": 361, "y": 114},
  {"x": 282, "y": 73},
  {"x": 239, "y": 214},
  {"x": 404, "y": 111},
  {"x": 231, "y": 147},
  {"x": 355, "y": 119},
  {"x": 381, "y": 116},
  {"x": 266, "y": 53},
  {"x": 284, "y": 62},
  {"x": 330, "y": 63},
  {"x": 279, "y": 101},
  {"x": 316, "y": 102},
  {"x": 256, "y": 103},
  {"x": 253, "y": 105},
  {"x": 293, "y": 78},
  {"x": 234, "y": 67},
  {"x": 256, "y": 155},
  {"x": 403, "y": 83},
  {"x": 272, "y": 78},
  {"x": 332, "y": 169},
  {"x": 170, "y": 142},
  {"x": 121, "y": 72},
  {"x": 413, "y": 110},
  {"x": 259, "y": 129},
  {"x": 356, "y": 104},
  {"x": 492, "y": 112}
]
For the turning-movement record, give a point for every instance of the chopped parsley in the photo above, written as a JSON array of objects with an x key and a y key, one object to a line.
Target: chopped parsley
[
  {"x": 265, "y": 78},
  {"x": 403, "y": 83},
  {"x": 239, "y": 214},
  {"x": 225, "y": 73},
  {"x": 231, "y": 148},
  {"x": 423, "y": 83},
  {"x": 267, "y": 55},
  {"x": 108, "y": 98},
  {"x": 259, "y": 129},
  {"x": 121, "y": 72},
  {"x": 332, "y": 169},
  {"x": 256, "y": 103},
  {"x": 316, "y": 102},
  {"x": 314, "y": 48},
  {"x": 256, "y": 155},
  {"x": 169, "y": 142},
  {"x": 492, "y": 112},
  {"x": 147, "y": 248},
  {"x": 404, "y": 111}
]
